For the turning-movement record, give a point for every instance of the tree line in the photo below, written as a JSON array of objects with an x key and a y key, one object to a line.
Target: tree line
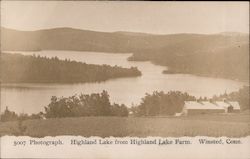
[
  {"x": 21, "y": 68},
  {"x": 98, "y": 104},
  {"x": 160, "y": 103},
  {"x": 95, "y": 104}
]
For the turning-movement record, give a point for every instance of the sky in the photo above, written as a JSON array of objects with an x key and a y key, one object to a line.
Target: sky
[{"x": 149, "y": 17}]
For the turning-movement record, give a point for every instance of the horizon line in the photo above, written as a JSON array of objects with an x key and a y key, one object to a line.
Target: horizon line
[{"x": 124, "y": 31}]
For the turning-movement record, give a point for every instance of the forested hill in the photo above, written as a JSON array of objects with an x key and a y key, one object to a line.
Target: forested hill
[
  {"x": 20, "y": 68},
  {"x": 221, "y": 55},
  {"x": 212, "y": 55},
  {"x": 85, "y": 40}
]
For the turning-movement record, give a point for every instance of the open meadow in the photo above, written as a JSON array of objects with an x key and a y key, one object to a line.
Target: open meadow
[{"x": 230, "y": 125}]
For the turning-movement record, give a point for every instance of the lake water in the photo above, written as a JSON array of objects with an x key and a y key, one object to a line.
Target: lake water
[{"x": 31, "y": 98}]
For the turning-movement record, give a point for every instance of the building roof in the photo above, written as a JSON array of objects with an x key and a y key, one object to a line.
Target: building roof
[
  {"x": 210, "y": 105},
  {"x": 235, "y": 105},
  {"x": 222, "y": 104},
  {"x": 200, "y": 105}
]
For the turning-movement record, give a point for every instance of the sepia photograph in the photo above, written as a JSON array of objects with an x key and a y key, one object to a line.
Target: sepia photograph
[{"x": 124, "y": 69}]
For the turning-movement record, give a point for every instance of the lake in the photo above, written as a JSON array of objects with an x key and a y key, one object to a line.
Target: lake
[{"x": 31, "y": 98}]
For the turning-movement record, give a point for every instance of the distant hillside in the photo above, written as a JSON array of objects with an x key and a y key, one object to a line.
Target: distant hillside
[
  {"x": 84, "y": 40},
  {"x": 221, "y": 55},
  {"x": 210, "y": 55}
]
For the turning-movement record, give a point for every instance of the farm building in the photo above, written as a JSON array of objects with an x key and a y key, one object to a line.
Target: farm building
[{"x": 206, "y": 107}]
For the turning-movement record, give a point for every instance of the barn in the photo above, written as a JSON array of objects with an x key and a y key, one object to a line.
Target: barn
[{"x": 207, "y": 107}]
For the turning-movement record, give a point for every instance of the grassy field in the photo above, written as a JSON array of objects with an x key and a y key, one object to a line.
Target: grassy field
[{"x": 230, "y": 125}]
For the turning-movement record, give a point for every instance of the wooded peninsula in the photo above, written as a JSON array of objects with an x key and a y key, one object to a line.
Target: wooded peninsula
[{"x": 37, "y": 69}]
